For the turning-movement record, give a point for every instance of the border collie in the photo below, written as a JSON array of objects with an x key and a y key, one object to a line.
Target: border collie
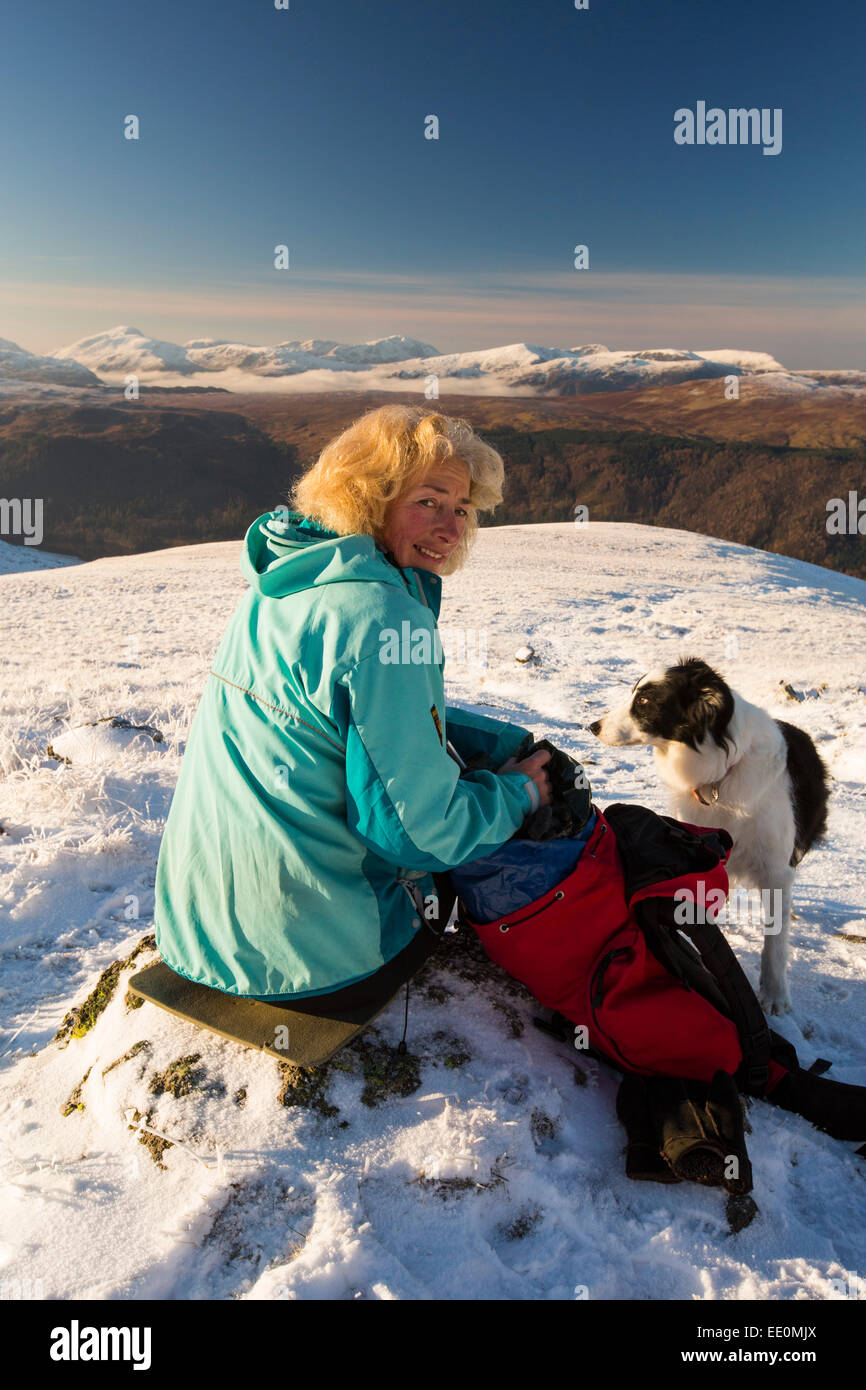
[{"x": 728, "y": 764}]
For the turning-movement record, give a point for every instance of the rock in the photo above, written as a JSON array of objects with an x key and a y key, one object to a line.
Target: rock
[
  {"x": 801, "y": 695},
  {"x": 102, "y": 739},
  {"x": 75, "y": 1102}
]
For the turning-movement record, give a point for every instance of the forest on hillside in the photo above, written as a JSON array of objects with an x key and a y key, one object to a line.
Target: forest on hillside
[{"x": 117, "y": 481}]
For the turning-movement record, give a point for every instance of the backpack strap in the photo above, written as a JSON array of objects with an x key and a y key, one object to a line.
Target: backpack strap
[
  {"x": 660, "y": 855},
  {"x": 743, "y": 1006}
]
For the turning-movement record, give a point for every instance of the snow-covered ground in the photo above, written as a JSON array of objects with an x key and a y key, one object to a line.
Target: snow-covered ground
[
  {"x": 15, "y": 558},
  {"x": 501, "y": 1175}
]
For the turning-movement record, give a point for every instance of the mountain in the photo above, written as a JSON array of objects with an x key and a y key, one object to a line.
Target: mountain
[
  {"x": 485, "y": 1161},
  {"x": 19, "y": 365},
  {"x": 519, "y": 369},
  {"x": 125, "y": 349}
]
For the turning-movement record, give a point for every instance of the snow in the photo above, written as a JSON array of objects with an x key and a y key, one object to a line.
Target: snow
[
  {"x": 315, "y": 364},
  {"x": 18, "y": 365},
  {"x": 738, "y": 357},
  {"x": 104, "y": 741},
  {"x": 126, "y": 349},
  {"x": 14, "y": 558},
  {"x": 499, "y": 1177}
]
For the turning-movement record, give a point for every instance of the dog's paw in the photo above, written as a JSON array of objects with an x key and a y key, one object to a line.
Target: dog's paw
[{"x": 775, "y": 1002}]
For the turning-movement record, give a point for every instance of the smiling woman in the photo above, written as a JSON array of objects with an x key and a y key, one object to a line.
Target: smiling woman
[
  {"x": 317, "y": 796},
  {"x": 424, "y": 527},
  {"x": 398, "y": 462}
]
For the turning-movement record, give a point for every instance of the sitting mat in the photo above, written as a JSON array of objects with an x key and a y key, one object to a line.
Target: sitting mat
[{"x": 288, "y": 1033}]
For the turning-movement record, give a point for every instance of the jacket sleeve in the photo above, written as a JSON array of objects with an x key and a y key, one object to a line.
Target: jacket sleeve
[
  {"x": 405, "y": 798},
  {"x": 473, "y": 734}
]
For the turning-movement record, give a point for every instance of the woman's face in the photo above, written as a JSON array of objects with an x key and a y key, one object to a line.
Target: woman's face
[{"x": 423, "y": 526}]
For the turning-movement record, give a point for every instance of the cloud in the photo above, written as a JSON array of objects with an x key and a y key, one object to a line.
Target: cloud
[{"x": 804, "y": 321}]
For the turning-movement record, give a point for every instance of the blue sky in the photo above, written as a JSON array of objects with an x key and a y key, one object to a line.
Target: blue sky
[{"x": 305, "y": 126}]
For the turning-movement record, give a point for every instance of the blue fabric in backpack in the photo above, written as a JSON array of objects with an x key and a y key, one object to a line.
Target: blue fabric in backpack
[{"x": 517, "y": 874}]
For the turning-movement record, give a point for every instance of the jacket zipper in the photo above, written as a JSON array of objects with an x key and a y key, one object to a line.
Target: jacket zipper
[{"x": 592, "y": 852}]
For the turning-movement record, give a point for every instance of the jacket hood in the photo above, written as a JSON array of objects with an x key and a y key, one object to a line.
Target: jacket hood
[{"x": 285, "y": 552}]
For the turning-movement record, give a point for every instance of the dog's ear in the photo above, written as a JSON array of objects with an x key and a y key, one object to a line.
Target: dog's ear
[{"x": 709, "y": 703}]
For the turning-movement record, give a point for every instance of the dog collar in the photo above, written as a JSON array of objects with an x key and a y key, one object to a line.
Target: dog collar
[{"x": 713, "y": 787}]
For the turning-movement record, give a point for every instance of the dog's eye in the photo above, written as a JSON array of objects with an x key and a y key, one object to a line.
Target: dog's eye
[{"x": 642, "y": 700}]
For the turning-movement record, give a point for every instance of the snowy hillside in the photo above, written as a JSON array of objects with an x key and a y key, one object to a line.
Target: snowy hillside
[
  {"x": 499, "y": 1174},
  {"x": 16, "y": 558},
  {"x": 19, "y": 365},
  {"x": 315, "y": 364},
  {"x": 126, "y": 349}
]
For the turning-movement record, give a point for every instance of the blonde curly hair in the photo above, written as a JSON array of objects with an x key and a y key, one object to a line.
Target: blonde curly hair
[{"x": 383, "y": 454}]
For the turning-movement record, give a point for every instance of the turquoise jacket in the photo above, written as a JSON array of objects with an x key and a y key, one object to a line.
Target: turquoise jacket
[{"x": 316, "y": 777}]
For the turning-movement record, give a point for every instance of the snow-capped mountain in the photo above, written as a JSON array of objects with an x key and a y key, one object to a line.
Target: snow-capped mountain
[
  {"x": 497, "y": 1171},
  {"x": 584, "y": 369},
  {"x": 125, "y": 349},
  {"x": 17, "y": 364},
  {"x": 322, "y": 364}
]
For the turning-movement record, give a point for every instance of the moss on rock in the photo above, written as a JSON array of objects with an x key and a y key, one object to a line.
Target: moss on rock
[
  {"x": 306, "y": 1086},
  {"x": 154, "y": 1143},
  {"x": 81, "y": 1019},
  {"x": 127, "y": 1056},
  {"x": 179, "y": 1078},
  {"x": 450, "y": 1051},
  {"x": 388, "y": 1071},
  {"x": 75, "y": 1102}
]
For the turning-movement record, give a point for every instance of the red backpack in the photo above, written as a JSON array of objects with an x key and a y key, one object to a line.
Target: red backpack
[{"x": 604, "y": 949}]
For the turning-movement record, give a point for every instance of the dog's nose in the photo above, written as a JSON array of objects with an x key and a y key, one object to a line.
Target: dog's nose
[{"x": 595, "y": 728}]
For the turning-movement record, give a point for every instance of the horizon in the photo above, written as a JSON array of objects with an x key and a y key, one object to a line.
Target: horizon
[{"x": 310, "y": 130}]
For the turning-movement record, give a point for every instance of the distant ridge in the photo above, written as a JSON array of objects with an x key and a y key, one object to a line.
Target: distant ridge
[{"x": 528, "y": 369}]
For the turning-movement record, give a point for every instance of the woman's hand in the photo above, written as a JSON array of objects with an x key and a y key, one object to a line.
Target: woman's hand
[{"x": 534, "y": 767}]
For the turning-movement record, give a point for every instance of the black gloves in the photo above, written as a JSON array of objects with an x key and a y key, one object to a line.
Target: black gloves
[
  {"x": 572, "y": 796},
  {"x": 684, "y": 1130}
]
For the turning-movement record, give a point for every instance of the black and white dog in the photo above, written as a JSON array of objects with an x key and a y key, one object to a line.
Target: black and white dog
[{"x": 727, "y": 763}]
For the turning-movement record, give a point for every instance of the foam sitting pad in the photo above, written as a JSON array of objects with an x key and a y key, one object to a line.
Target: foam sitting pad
[{"x": 306, "y": 1036}]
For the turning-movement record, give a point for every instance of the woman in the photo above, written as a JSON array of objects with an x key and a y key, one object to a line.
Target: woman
[{"x": 316, "y": 795}]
